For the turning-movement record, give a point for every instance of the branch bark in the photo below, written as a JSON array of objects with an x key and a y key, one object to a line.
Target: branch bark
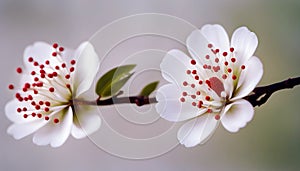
[{"x": 259, "y": 95}]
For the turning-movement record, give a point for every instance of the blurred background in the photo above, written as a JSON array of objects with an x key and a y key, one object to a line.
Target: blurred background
[{"x": 270, "y": 142}]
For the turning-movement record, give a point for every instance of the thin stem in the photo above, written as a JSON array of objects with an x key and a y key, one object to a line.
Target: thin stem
[{"x": 259, "y": 95}]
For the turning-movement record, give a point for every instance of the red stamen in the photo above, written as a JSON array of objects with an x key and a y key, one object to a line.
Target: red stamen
[
  {"x": 46, "y": 109},
  {"x": 11, "y": 87},
  {"x": 56, "y": 120},
  {"x": 217, "y": 117},
  {"x": 41, "y": 102},
  {"x": 19, "y": 70},
  {"x": 47, "y": 103},
  {"x": 30, "y": 59},
  {"x": 37, "y": 107},
  {"x": 224, "y": 76},
  {"x": 193, "y": 62},
  {"x": 72, "y": 69},
  {"x": 73, "y": 62},
  {"x": 54, "y": 54},
  {"x": 207, "y": 98},
  {"x": 51, "y": 89},
  {"x": 55, "y": 45},
  {"x": 47, "y": 118}
]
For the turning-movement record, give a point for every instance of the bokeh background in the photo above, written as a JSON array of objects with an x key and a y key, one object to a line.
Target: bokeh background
[{"x": 270, "y": 142}]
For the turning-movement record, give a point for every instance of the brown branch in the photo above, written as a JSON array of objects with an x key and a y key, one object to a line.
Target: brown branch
[{"x": 259, "y": 96}]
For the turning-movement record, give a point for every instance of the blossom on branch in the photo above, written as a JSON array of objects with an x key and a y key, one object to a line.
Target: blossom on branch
[
  {"x": 209, "y": 87},
  {"x": 51, "y": 79}
]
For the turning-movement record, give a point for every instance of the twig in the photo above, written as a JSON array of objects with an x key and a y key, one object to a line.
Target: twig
[{"x": 259, "y": 96}]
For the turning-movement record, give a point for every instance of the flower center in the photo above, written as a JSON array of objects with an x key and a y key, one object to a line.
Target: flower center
[
  {"x": 205, "y": 87},
  {"x": 46, "y": 88}
]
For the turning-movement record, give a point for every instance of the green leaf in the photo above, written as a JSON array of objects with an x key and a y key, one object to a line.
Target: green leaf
[
  {"x": 148, "y": 89},
  {"x": 112, "y": 76},
  {"x": 115, "y": 87}
]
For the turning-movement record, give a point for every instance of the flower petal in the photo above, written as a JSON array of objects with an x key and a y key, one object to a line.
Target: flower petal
[
  {"x": 197, "y": 46},
  {"x": 216, "y": 35},
  {"x": 22, "y": 130},
  {"x": 42, "y": 51},
  {"x": 55, "y": 134},
  {"x": 86, "y": 121},
  {"x": 249, "y": 78},
  {"x": 39, "y": 51},
  {"x": 171, "y": 108},
  {"x": 244, "y": 42},
  {"x": 174, "y": 66},
  {"x": 86, "y": 67},
  {"x": 12, "y": 114},
  {"x": 237, "y": 115},
  {"x": 197, "y": 131}
]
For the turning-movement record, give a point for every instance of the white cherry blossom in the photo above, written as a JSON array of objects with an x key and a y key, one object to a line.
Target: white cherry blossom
[
  {"x": 43, "y": 104},
  {"x": 208, "y": 87}
]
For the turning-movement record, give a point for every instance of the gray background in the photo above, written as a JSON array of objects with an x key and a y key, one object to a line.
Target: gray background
[{"x": 270, "y": 142}]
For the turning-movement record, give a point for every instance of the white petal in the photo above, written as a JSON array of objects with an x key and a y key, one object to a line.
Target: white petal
[
  {"x": 171, "y": 108},
  {"x": 197, "y": 46},
  {"x": 86, "y": 67},
  {"x": 249, "y": 78},
  {"x": 244, "y": 42},
  {"x": 237, "y": 115},
  {"x": 86, "y": 121},
  {"x": 40, "y": 51},
  {"x": 55, "y": 134},
  {"x": 12, "y": 114},
  {"x": 216, "y": 35},
  {"x": 19, "y": 131},
  {"x": 197, "y": 131},
  {"x": 174, "y": 66}
]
